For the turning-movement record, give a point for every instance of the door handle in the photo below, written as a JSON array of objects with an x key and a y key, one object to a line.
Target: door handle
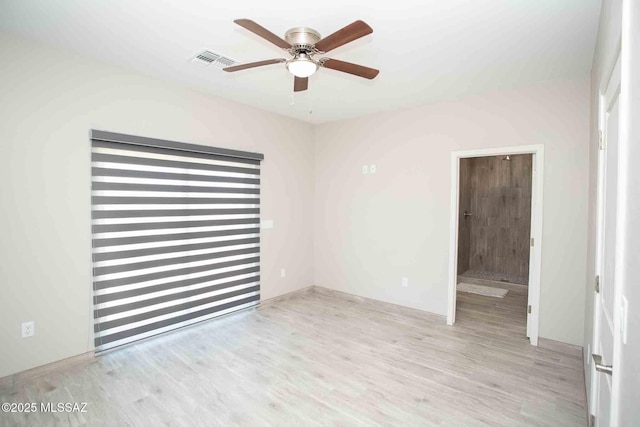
[
  {"x": 466, "y": 214},
  {"x": 600, "y": 367}
]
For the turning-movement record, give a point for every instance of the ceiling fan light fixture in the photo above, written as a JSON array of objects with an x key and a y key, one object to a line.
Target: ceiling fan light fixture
[
  {"x": 302, "y": 43},
  {"x": 302, "y": 66}
]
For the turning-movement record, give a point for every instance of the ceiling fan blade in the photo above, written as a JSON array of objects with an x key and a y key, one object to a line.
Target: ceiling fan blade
[
  {"x": 348, "y": 67},
  {"x": 253, "y": 65},
  {"x": 300, "y": 84},
  {"x": 348, "y": 34},
  {"x": 263, "y": 32}
]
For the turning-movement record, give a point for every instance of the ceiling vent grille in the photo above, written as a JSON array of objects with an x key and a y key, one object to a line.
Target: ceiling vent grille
[
  {"x": 207, "y": 58},
  {"x": 224, "y": 62}
]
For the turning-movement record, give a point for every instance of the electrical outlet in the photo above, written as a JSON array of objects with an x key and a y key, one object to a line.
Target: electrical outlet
[
  {"x": 372, "y": 169},
  {"x": 283, "y": 272},
  {"x": 405, "y": 282},
  {"x": 28, "y": 329}
]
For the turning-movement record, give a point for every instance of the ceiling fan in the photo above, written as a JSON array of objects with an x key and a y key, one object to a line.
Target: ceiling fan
[{"x": 303, "y": 43}]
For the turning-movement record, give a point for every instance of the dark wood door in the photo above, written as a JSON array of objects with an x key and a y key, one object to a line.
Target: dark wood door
[{"x": 499, "y": 199}]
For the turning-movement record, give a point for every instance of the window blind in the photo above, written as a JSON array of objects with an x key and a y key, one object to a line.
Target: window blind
[{"x": 175, "y": 235}]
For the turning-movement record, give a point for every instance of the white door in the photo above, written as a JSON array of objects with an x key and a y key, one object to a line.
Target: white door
[{"x": 604, "y": 307}]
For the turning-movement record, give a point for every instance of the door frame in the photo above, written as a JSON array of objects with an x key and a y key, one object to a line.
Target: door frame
[{"x": 535, "y": 254}]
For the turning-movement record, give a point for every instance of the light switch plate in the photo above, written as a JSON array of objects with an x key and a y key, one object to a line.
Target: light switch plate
[
  {"x": 28, "y": 329},
  {"x": 372, "y": 169},
  {"x": 365, "y": 169},
  {"x": 266, "y": 224}
]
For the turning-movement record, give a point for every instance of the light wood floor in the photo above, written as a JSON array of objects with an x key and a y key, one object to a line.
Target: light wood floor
[
  {"x": 320, "y": 359},
  {"x": 503, "y": 316}
]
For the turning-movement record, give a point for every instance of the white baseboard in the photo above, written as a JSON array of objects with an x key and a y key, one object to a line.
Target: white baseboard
[
  {"x": 382, "y": 305},
  {"x": 288, "y": 295},
  {"x": 560, "y": 346}
]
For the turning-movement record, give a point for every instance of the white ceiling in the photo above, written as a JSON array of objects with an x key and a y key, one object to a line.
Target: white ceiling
[{"x": 427, "y": 50}]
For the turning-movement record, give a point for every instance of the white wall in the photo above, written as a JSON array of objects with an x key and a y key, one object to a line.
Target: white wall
[
  {"x": 50, "y": 99},
  {"x": 606, "y": 46},
  {"x": 372, "y": 230}
]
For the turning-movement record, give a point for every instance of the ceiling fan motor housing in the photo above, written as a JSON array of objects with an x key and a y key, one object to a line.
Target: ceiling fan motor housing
[{"x": 302, "y": 38}]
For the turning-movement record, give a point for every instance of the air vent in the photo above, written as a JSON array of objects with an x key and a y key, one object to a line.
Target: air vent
[
  {"x": 207, "y": 58},
  {"x": 224, "y": 62}
]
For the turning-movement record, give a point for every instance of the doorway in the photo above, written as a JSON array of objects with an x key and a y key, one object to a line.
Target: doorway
[
  {"x": 494, "y": 227},
  {"x": 496, "y": 233}
]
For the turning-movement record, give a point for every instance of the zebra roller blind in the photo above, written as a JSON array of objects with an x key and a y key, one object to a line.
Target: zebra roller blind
[{"x": 175, "y": 235}]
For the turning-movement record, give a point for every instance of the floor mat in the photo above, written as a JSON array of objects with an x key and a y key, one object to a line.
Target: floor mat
[
  {"x": 496, "y": 277},
  {"x": 482, "y": 290}
]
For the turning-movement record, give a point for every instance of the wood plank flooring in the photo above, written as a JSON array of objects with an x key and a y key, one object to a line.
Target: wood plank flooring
[
  {"x": 505, "y": 316},
  {"x": 321, "y": 359}
]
